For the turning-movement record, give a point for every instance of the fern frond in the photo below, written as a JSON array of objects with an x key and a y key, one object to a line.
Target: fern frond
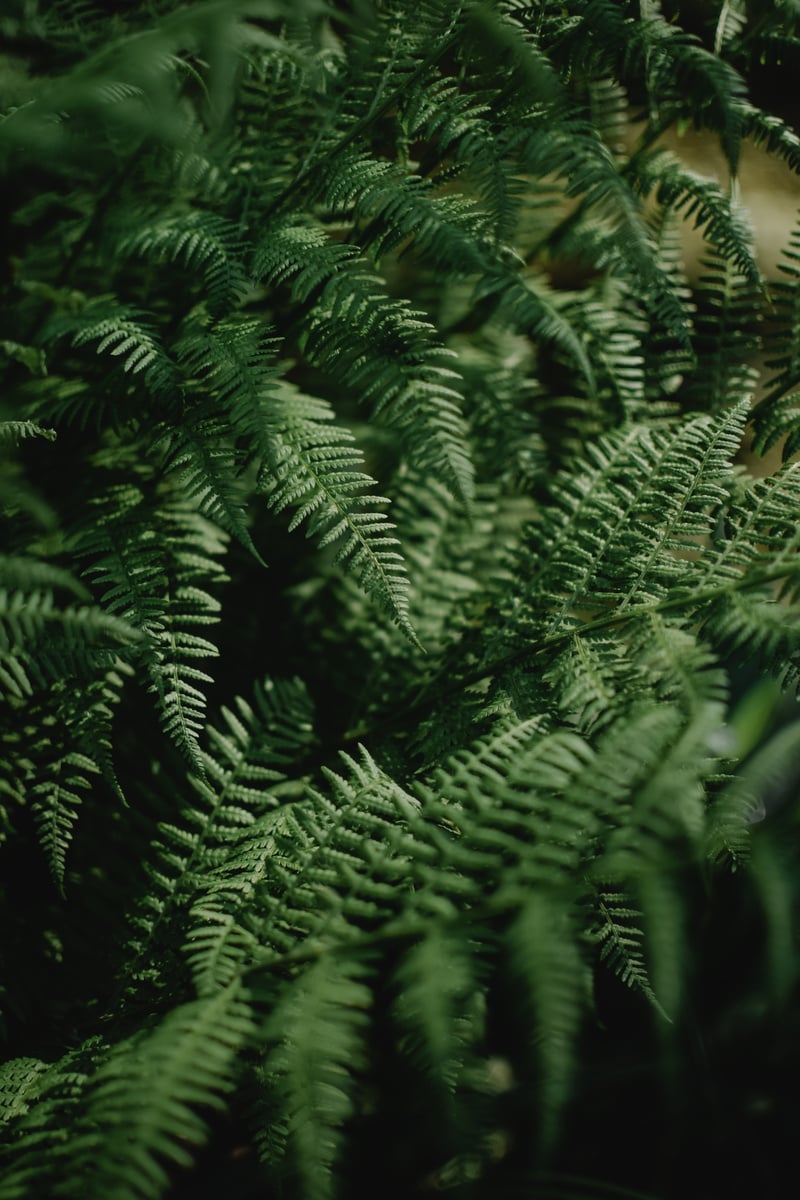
[
  {"x": 314, "y": 467},
  {"x": 233, "y": 362},
  {"x": 155, "y": 564},
  {"x": 638, "y": 534},
  {"x": 206, "y": 244},
  {"x": 55, "y": 800},
  {"x": 724, "y": 222},
  {"x": 394, "y": 209},
  {"x": 727, "y": 326},
  {"x": 210, "y": 857},
  {"x": 24, "y": 573},
  {"x": 200, "y": 451},
  {"x": 310, "y": 846},
  {"x": 746, "y": 606},
  {"x": 731, "y": 21},
  {"x": 148, "y": 1105},
  {"x": 768, "y": 130},
  {"x": 659, "y": 897},
  {"x": 123, "y": 332},
  {"x": 607, "y": 39},
  {"x": 618, "y": 932},
  {"x": 30, "y": 619},
  {"x": 457, "y": 127},
  {"x": 775, "y": 416},
  {"x": 46, "y": 1101},
  {"x": 317, "y": 1036},
  {"x": 741, "y": 804},
  {"x": 531, "y": 306},
  {"x": 550, "y": 970},
  {"x": 436, "y": 1009},
  {"x": 383, "y": 349},
  {"x": 13, "y": 432},
  {"x": 18, "y": 1078}
]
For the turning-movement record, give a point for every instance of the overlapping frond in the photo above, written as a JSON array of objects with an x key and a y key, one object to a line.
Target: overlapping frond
[
  {"x": 209, "y": 856},
  {"x": 156, "y": 564},
  {"x": 205, "y": 244},
  {"x": 130, "y": 1136},
  {"x": 377, "y": 345},
  {"x": 314, "y": 467},
  {"x": 316, "y": 1049},
  {"x": 408, "y": 276}
]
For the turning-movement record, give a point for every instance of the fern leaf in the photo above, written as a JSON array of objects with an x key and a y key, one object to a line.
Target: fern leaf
[
  {"x": 313, "y": 467},
  {"x": 123, "y": 332},
  {"x": 742, "y": 803},
  {"x": 533, "y": 308},
  {"x": 550, "y": 970},
  {"x": 627, "y": 553},
  {"x": 28, "y": 617},
  {"x": 379, "y": 346},
  {"x": 148, "y": 1105},
  {"x": 212, "y": 856},
  {"x": 695, "y": 197},
  {"x": 204, "y": 243},
  {"x": 153, "y": 563},
  {"x": 619, "y": 935},
  {"x": 13, "y": 432},
  {"x": 433, "y": 1008},
  {"x": 200, "y": 452},
  {"x": 46, "y": 1099},
  {"x": 775, "y": 416},
  {"x": 55, "y": 802},
  {"x": 317, "y": 1032}
]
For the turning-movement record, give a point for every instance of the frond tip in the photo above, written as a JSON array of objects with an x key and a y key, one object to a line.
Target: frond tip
[{"x": 313, "y": 467}]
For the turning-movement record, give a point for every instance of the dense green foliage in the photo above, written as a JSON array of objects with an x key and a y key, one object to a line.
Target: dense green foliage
[{"x": 396, "y": 792}]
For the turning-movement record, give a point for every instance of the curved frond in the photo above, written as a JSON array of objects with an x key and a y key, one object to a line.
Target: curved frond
[
  {"x": 382, "y": 348},
  {"x": 314, "y": 467}
]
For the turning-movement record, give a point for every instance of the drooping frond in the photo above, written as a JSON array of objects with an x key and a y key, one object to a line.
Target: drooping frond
[
  {"x": 12, "y": 432},
  {"x": 59, "y": 773},
  {"x": 314, "y": 468},
  {"x": 610, "y": 38},
  {"x": 619, "y": 935},
  {"x": 205, "y": 244},
  {"x": 724, "y": 223},
  {"x": 777, "y": 416},
  {"x": 503, "y": 779},
  {"x": 316, "y": 1048},
  {"x": 200, "y": 451},
  {"x": 205, "y": 857},
  {"x": 124, "y": 333},
  {"x": 155, "y": 565},
  {"x": 552, "y": 974},
  {"x": 126, "y": 1146},
  {"x": 376, "y": 345}
]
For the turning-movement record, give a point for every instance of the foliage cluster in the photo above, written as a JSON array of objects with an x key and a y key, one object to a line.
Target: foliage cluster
[{"x": 396, "y": 794}]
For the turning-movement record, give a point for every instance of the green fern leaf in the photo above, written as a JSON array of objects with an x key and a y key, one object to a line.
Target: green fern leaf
[
  {"x": 204, "y": 243},
  {"x": 550, "y": 970},
  {"x": 313, "y": 467},
  {"x": 317, "y": 1033},
  {"x": 148, "y": 1105},
  {"x": 378, "y": 346},
  {"x": 153, "y": 564},
  {"x": 619, "y": 935}
]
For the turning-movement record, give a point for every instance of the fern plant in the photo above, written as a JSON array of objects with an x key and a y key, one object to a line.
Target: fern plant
[{"x": 397, "y": 648}]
